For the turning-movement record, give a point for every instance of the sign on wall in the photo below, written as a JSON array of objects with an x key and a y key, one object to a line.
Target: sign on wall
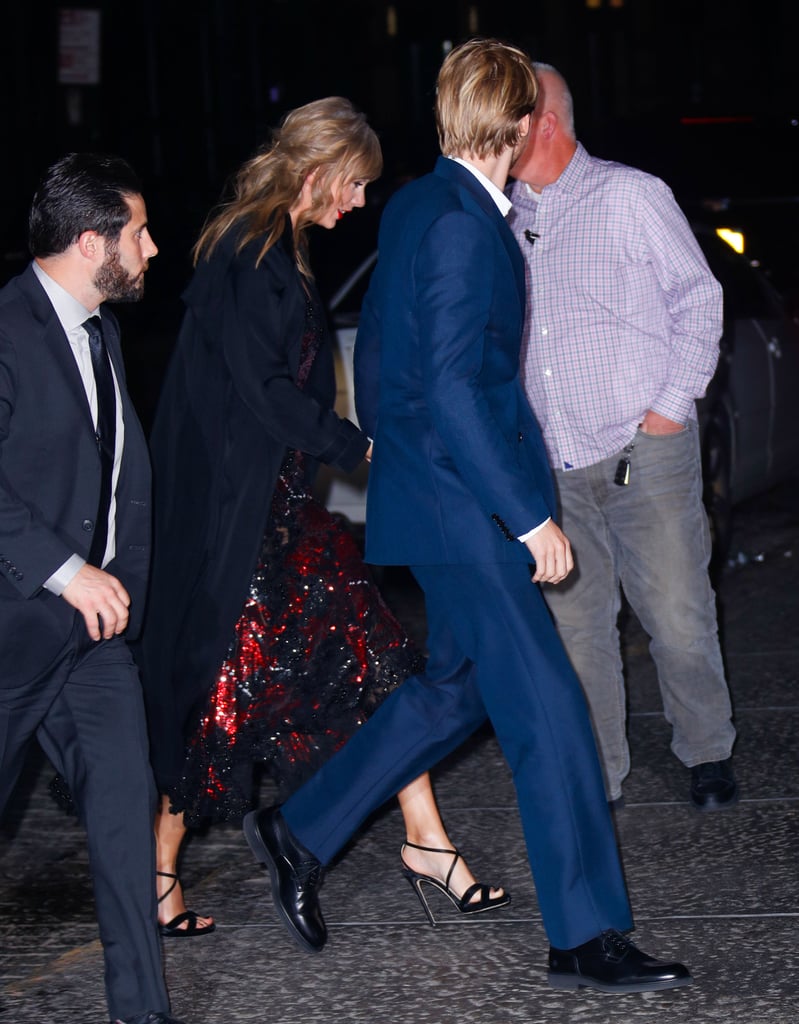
[{"x": 78, "y": 46}]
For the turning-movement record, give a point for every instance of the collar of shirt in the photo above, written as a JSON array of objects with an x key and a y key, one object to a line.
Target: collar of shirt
[
  {"x": 573, "y": 174},
  {"x": 571, "y": 179},
  {"x": 503, "y": 203},
  {"x": 69, "y": 311}
]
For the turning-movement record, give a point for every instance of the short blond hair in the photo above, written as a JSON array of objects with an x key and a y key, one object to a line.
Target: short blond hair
[{"x": 484, "y": 89}]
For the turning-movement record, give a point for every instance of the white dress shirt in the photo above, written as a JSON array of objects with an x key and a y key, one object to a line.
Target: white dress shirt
[{"x": 72, "y": 315}]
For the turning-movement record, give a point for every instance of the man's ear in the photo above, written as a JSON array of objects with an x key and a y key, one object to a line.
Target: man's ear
[
  {"x": 547, "y": 124},
  {"x": 91, "y": 245}
]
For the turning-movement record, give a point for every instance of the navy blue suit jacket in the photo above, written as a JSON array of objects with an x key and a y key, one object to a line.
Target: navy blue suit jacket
[
  {"x": 459, "y": 468},
  {"x": 50, "y": 480}
]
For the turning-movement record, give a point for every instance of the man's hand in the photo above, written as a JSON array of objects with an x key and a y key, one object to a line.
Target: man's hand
[
  {"x": 101, "y": 599},
  {"x": 654, "y": 423},
  {"x": 552, "y": 552}
]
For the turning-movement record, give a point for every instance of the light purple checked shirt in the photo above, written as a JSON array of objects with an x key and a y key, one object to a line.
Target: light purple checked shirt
[{"x": 623, "y": 314}]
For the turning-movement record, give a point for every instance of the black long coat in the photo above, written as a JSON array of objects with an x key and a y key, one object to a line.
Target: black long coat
[{"x": 229, "y": 409}]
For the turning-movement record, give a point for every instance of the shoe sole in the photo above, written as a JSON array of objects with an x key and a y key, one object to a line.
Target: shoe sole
[
  {"x": 712, "y": 804},
  {"x": 185, "y": 933},
  {"x": 571, "y": 982},
  {"x": 262, "y": 855}
]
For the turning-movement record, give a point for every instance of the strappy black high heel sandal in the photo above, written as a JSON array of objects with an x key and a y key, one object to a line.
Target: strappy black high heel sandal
[
  {"x": 465, "y": 904},
  {"x": 172, "y": 928}
]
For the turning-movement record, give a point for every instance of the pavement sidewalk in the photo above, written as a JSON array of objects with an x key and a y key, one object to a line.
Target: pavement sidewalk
[{"x": 719, "y": 891}]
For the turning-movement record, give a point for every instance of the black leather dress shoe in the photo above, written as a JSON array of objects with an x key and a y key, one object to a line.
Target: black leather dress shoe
[
  {"x": 611, "y": 963},
  {"x": 295, "y": 873},
  {"x": 149, "y": 1018},
  {"x": 713, "y": 786}
]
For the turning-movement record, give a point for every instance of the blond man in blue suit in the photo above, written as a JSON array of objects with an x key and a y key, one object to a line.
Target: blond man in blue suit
[{"x": 460, "y": 490}]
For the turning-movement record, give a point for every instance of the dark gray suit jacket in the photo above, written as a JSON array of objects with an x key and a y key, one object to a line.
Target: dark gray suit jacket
[{"x": 50, "y": 480}]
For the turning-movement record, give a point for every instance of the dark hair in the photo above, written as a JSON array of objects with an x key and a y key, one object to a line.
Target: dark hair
[{"x": 80, "y": 192}]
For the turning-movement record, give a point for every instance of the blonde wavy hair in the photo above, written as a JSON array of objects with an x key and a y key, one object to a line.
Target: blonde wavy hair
[
  {"x": 328, "y": 136},
  {"x": 484, "y": 89}
]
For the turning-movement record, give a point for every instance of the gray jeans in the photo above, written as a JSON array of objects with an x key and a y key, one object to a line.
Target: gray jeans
[{"x": 650, "y": 538}]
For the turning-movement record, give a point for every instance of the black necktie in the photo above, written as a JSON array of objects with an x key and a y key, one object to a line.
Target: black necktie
[{"x": 105, "y": 434}]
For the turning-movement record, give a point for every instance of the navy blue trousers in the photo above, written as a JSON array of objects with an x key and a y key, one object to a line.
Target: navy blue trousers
[{"x": 493, "y": 650}]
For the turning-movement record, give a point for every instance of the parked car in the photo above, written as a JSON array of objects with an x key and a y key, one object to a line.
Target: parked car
[
  {"x": 749, "y": 436},
  {"x": 346, "y": 493}
]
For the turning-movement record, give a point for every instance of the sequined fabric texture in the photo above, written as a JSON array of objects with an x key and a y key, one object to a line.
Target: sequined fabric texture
[{"x": 314, "y": 652}]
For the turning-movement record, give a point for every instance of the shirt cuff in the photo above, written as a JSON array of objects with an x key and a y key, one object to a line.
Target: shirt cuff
[
  {"x": 63, "y": 576},
  {"x": 526, "y": 536},
  {"x": 674, "y": 405}
]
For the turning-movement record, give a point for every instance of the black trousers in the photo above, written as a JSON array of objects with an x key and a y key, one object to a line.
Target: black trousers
[{"x": 87, "y": 712}]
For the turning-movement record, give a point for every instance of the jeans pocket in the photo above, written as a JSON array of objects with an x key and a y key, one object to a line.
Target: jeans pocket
[{"x": 664, "y": 437}]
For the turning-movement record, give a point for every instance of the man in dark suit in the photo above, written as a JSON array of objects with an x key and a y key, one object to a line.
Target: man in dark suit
[
  {"x": 75, "y": 544},
  {"x": 460, "y": 490}
]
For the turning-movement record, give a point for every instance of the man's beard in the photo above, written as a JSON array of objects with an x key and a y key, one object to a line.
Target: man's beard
[{"x": 114, "y": 282}]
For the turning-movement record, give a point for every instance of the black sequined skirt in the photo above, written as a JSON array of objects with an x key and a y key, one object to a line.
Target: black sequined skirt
[{"x": 314, "y": 652}]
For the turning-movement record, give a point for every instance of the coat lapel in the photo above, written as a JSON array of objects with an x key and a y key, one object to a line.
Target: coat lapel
[{"x": 54, "y": 341}]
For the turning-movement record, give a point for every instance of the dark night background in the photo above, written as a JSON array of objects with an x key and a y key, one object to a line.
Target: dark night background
[{"x": 703, "y": 92}]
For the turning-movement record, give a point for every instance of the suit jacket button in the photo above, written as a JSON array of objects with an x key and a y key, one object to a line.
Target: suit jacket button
[
  {"x": 87, "y": 525},
  {"x": 521, "y": 436}
]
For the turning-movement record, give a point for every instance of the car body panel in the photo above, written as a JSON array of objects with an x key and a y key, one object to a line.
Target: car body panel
[{"x": 756, "y": 384}]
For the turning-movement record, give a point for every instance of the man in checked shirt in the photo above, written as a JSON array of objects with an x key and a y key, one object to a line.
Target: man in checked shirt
[{"x": 622, "y": 331}]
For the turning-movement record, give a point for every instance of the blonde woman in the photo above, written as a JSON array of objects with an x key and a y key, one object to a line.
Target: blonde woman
[{"x": 265, "y": 642}]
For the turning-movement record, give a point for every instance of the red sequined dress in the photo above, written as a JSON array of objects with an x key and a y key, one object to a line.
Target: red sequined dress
[{"x": 313, "y": 653}]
